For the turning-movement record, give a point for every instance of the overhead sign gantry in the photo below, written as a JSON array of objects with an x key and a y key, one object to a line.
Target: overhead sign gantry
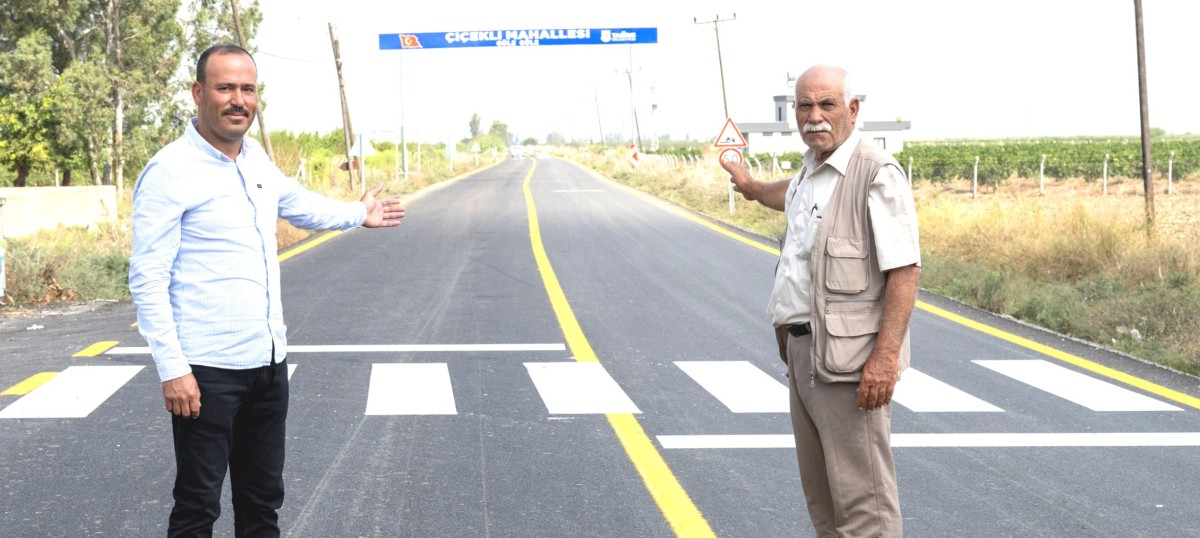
[
  {"x": 519, "y": 38},
  {"x": 508, "y": 38}
]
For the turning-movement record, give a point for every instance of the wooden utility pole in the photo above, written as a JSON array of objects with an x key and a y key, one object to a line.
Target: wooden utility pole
[
  {"x": 347, "y": 132},
  {"x": 600, "y": 124},
  {"x": 716, "y": 24},
  {"x": 1147, "y": 177},
  {"x": 262, "y": 125}
]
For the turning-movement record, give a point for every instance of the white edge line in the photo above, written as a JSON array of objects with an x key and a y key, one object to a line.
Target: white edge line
[
  {"x": 953, "y": 440},
  {"x": 382, "y": 348}
]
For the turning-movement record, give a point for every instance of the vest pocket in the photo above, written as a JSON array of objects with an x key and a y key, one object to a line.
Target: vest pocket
[
  {"x": 851, "y": 327},
  {"x": 846, "y": 264}
]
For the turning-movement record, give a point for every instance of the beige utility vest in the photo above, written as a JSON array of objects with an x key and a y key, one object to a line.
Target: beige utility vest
[{"x": 848, "y": 287}]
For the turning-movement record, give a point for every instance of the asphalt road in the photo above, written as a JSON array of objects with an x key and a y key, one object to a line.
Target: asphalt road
[{"x": 605, "y": 373}]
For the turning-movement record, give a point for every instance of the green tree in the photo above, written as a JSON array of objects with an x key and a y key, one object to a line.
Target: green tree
[
  {"x": 83, "y": 119},
  {"x": 499, "y": 129},
  {"x": 210, "y": 22},
  {"x": 143, "y": 47},
  {"x": 475, "y": 126},
  {"x": 70, "y": 24},
  {"x": 26, "y": 79}
]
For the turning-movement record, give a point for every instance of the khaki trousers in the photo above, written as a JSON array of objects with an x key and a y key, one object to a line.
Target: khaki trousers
[{"x": 845, "y": 454}]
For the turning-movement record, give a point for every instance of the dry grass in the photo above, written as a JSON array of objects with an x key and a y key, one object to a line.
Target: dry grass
[
  {"x": 1073, "y": 259},
  {"x": 1068, "y": 232}
]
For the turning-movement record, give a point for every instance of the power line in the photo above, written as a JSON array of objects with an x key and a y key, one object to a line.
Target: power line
[{"x": 290, "y": 59}]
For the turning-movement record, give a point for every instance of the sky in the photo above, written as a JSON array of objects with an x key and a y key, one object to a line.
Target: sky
[{"x": 955, "y": 69}]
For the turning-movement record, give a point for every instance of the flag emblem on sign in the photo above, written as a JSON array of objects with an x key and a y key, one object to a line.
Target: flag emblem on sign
[{"x": 409, "y": 42}]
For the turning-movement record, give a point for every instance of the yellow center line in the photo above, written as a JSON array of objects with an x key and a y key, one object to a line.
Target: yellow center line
[
  {"x": 320, "y": 239},
  {"x": 1065, "y": 357},
  {"x": 32, "y": 382},
  {"x": 96, "y": 349},
  {"x": 681, "y": 513}
]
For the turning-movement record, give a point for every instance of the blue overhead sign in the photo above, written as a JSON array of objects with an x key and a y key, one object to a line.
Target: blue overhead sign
[{"x": 519, "y": 38}]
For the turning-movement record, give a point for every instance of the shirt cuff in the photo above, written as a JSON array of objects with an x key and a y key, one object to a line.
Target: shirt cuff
[{"x": 169, "y": 369}]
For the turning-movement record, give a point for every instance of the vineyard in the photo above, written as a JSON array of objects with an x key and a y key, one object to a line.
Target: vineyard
[{"x": 1052, "y": 158}]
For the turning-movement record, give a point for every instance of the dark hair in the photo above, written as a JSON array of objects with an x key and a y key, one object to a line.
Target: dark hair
[{"x": 222, "y": 48}]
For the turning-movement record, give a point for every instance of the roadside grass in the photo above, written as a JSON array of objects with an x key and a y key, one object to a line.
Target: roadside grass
[
  {"x": 1069, "y": 259},
  {"x": 70, "y": 263}
]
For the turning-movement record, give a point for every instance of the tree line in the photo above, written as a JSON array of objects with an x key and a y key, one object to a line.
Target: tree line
[{"x": 95, "y": 87}]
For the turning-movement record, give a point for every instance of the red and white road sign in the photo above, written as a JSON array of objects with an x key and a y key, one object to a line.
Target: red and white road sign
[
  {"x": 633, "y": 156},
  {"x": 731, "y": 155},
  {"x": 730, "y": 137}
]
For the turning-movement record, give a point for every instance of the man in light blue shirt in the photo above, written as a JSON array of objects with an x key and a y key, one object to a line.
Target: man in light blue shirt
[{"x": 204, "y": 275}]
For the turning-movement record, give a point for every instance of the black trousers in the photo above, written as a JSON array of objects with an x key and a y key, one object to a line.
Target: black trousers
[{"x": 241, "y": 427}]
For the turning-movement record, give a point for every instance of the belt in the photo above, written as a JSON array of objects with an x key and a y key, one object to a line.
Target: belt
[{"x": 800, "y": 329}]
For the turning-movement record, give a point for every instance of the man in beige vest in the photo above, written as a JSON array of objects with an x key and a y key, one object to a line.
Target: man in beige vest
[{"x": 844, "y": 292}]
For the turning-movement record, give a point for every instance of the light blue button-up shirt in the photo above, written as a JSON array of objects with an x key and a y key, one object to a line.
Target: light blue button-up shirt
[{"x": 204, "y": 273}]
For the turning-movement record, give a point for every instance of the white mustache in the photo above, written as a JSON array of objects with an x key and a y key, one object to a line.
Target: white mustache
[{"x": 823, "y": 126}]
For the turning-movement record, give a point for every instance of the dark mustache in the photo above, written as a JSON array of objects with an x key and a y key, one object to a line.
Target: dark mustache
[{"x": 235, "y": 109}]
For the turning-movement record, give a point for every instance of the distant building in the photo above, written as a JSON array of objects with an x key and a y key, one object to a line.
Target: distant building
[
  {"x": 888, "y": 135},
  {"x": 781, "y": 136}
]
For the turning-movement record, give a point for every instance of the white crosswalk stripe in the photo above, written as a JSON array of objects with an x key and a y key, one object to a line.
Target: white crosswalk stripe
[
  {"x": 410, "y": 389},
  {"x": 587, "y": 388},
  {"x": 575, "y": 388},
  {"x": 1068, "y": 384},
  {"x": 74, "y": 393},
  {"x": 922, "y": 393},
  {"x": 740, "y": 385}
]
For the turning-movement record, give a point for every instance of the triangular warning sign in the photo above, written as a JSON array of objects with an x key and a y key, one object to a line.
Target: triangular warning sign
[{"x": 730, "y": 137}]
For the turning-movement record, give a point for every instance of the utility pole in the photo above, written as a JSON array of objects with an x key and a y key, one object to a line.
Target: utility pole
[
  {"x": 347, "y": 132},
  {"x": 262, "y": 125},
  {"x": 1147, "y": 176},
  {"x": 716, "y": 24},
  {"x": 600, "y": 124},
  {"x": 632, "y": 104}
]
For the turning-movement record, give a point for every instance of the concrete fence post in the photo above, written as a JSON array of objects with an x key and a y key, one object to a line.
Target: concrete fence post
[
  {"x": 975, "y": 180},
  {"x": 1170, "y": 172},
  {"x": 1104, "y": 189}
]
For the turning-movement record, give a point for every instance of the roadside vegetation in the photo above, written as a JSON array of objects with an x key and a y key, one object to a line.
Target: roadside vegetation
[{"x": 1069, "y": 259}]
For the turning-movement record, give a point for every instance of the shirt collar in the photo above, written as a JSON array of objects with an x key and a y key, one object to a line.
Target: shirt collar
[
  {"x": 840, "y": 160},
  {"x": 194, "y": 137}
]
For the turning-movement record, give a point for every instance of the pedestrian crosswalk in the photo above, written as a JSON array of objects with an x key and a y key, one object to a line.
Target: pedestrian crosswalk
[
  {"x": 74, "y": 393},
  {"x": 410, "y": 389},
  {"x": 741, "y": 386},
  {"x": 578, "y": 388}
]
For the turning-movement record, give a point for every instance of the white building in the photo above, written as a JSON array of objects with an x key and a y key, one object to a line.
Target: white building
[{"x": 781, "y": 136}]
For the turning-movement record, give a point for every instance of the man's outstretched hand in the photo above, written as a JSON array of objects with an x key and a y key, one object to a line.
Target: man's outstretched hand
[
  {"x": 739, "y": 177},
  {"x": 381, "y": 212}
]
